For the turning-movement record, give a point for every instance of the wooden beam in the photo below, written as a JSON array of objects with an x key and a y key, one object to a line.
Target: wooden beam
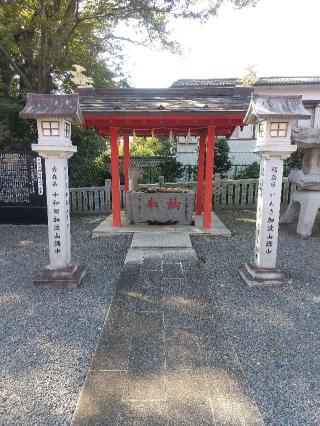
[
  {"x": 209, "y": 176},
  {"x": 115, "y": 175},
  {"x": 199, "y": 203},
  {"x": 126, "y": 165}
]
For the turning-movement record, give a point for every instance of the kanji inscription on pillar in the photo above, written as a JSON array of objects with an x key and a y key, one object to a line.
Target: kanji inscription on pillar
[
  {"x": 58, "y": 211},
  {"x": 268, "y": 207}
]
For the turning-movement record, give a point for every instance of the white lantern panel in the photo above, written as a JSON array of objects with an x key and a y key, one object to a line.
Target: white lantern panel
[
  {"x": 261, "y": 130},
  {"x": 67, "y": 129},
  {"x": 50, "y": 128},
  {"x": 278, "y": 129}
]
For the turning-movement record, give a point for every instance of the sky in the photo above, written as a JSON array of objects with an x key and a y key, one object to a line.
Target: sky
[{"x": 278, "y": 37}]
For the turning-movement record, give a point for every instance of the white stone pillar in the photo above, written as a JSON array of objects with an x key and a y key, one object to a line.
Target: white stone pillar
[
  {"x": 263, "y": 271},
  {"x": 274, "y": 117},
  {"x": 268, "y": 209},
  {"x": 55, "y": 114},
  {"x": 60, "y": 272},
  {"x": 58, "y": 209}
]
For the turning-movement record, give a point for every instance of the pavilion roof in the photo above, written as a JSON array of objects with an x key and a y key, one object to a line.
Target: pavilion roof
[{"x": 170, "y": 101}]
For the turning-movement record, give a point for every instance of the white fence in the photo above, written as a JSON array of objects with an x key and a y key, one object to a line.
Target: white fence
[{"x": 227, "y": 194}]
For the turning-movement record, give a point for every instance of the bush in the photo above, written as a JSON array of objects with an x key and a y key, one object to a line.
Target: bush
[
  {"x": 221, "y": 159},
  {"x": 87, "y": 167},
  {"x": 293, "y": 162},
  {"x": 171, "y": 169},
  {"x": 250, "y": 172}
]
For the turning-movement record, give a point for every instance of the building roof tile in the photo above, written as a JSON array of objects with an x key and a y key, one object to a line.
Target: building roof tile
[
  {"x": 164, "y": 101},
  {"x": 262, "y": 81}
]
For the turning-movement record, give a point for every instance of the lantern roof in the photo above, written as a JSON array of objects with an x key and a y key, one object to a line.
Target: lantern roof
[
  {"x": 53, "y": 106},
  {"x": 306, "y": 137},
  {"x": 263, "y": 107}
]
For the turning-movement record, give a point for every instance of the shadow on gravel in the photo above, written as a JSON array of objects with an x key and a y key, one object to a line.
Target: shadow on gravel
[
  {"x": 48, "y": 336},
  {"x": 274, "y": 331}
]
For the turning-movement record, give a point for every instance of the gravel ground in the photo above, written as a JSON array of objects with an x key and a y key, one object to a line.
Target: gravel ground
[
  {"x": 48, "y": 336},
  {"x": 275, "y": 331}
]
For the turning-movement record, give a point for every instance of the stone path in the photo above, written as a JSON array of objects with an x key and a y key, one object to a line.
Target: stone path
[{"x": 164, "y": 357}]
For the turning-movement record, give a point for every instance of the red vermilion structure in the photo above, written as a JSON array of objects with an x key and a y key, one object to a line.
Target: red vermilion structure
[
  {"x": 200, "y": 175},
  {"x": 209, "y": 177},
  {"x": 115, "y": 182},
  {"x": 205, "y": 112},
  {"x": 126, "y": 164}
]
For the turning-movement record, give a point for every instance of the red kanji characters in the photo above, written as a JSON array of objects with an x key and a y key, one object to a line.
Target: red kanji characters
[
  {"x": 152, "y": 204},
  {"x": 173, "y": 204}
]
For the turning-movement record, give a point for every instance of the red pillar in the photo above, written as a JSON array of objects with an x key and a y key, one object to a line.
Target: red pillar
[
  {"x": 115, "y": 175},
  {"x": 202, "y": 143},
  {"x": 209, "y": 177},
  {"x": 126, "y": 164}
]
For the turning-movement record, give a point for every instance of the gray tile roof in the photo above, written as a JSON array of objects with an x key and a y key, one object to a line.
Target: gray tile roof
[
  {"x": 285, "y": 81},
  {"x": 52, "y": 106},
  {"x": 216, "y": 82},
  {"x": 164, "y": 101},
  {"x": 262, "y": 81}
]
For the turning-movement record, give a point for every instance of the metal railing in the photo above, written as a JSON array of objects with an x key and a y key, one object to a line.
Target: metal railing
[{"x": 227, "y": 194}]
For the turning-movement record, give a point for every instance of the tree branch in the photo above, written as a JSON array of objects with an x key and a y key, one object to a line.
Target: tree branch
[
  {"x": 16, "y": 68},
  {"x": 135, "y": 42}
]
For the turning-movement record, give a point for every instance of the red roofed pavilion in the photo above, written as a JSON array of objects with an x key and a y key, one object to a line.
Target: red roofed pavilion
[{"x": 203, "y": 111}]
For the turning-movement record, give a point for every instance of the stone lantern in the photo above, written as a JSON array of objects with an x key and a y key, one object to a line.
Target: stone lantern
[
  {"x": 54, "y": 115},
  {"x": 274, "y": 117},
  {"x": 308, "y": 181}
]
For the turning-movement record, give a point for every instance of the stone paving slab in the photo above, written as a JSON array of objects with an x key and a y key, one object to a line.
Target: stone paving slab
[
  {"x": 164, "y": 357},
  {"x": 164, "y": 240},
  {"x": 137, "y": 255}
]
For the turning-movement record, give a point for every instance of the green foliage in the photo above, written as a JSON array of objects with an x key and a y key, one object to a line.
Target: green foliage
[
  {"x": 253, "y": 170},
  {"x": 149, "y": 147},
  {"x": 221, "y": 159},
  {"x": 42, "y": 39},
  {"x": 293, "y": 162},
  {"x": 88, "y": 166},
  {"x": 250, "y": 172},
  {"x": 171, "y": 169},
  {"x": 14, "y": 133}
]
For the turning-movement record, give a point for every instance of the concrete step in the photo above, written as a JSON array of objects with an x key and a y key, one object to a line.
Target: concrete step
[
  {"x": 161, "y": 241},
  {"x": 139, "y": 255}
]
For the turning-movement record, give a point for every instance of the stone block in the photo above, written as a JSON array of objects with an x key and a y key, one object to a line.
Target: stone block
[
  {"x": 68, "y": 277},
  {"x": 160, "y": 207}
]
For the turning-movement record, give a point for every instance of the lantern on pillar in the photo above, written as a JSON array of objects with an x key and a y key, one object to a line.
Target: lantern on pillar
[
  {"x": 274, "y": 116},
  {"x": 54, "y": 115}
]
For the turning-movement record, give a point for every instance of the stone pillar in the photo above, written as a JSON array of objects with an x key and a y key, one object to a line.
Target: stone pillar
[
  {"x": 55, "y": 114},
  {"x": 268, "y": 209},
  {"x": 274, "y": 116},
  {"x": 263, "y": 270},
  {"x": 60, "y": 272}
]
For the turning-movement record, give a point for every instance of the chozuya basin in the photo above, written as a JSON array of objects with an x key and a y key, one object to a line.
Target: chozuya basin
[{"x": 161, "y": 206}]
